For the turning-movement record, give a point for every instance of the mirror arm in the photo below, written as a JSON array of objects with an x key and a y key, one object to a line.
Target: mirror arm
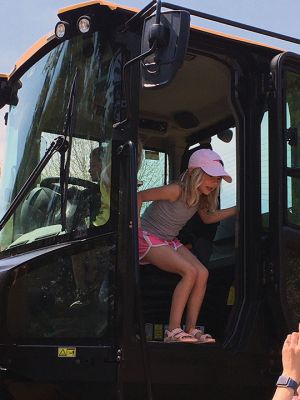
[
  {"x": 140, "y": 16},
  {"x": 120, "y": 124},
  {"x": 158, "y": 11},
  {"x": 153, "y": 6}
]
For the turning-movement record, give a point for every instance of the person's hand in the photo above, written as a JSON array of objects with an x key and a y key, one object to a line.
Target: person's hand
[{"x": 291, "y": 356}]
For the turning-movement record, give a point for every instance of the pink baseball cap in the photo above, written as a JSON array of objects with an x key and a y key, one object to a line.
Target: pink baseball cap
[{"x": 210, "y": 162}]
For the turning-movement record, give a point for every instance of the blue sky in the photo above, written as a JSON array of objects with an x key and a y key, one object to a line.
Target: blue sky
[{"x": 27, "y": 20}]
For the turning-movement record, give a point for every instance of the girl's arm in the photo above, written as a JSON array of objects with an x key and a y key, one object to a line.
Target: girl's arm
[
  {"x": 217, "y": 216},
  {"x": 168, "y": 192}
]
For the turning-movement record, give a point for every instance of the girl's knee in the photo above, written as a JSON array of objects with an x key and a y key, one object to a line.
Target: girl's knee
[
  {"x": 202, "y": 273},
  {"x": 191, "y": 273}
]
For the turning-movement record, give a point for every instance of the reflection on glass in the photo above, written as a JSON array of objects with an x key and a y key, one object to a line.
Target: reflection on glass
[
  {"x": 293, "y": 200},
  {"x": 292, "y": 277},
  {"x": 264, "y": 168},
  {"x": 154, "y": 167},
  {"x": 65, "y": 296},
  {"x": 293, "y": 118},
  {"x": 293, "y": 146},
  {"x": 228, "y": 153},
  {"x": 38, "y": 119}
]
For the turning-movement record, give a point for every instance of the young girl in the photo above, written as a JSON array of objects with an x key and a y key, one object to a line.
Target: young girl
[{"x": 173, "y": 205}]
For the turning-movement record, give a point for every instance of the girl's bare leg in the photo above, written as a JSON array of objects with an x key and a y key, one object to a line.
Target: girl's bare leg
[
  {"x": 167, "y": 259},
  {"x": 196, "y": 297}
]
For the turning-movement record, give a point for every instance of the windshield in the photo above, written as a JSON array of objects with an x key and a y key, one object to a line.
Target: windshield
[{"x": 39, "y": 118}]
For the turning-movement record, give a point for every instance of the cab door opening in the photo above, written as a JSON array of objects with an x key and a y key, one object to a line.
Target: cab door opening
[{"x": 194, "y": 111}]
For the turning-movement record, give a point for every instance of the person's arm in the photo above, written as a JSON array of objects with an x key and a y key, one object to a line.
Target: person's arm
[
  {"x": 168, "y": 192},
  {"x": 217, "y": 216},
  {"x": 284, "y": 393},
  {"x": 291, "y": 365}
]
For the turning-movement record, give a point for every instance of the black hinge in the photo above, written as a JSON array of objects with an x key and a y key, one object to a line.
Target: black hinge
[
  {"x": 119, "y": 355},
  {"x": 269, "y": 274},
  {"x": 115, "y": 355},
  {"x": 269, "y": 85}
]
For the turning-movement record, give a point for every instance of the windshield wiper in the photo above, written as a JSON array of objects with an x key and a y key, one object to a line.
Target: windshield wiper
[
  {"x": 59, "y": 144},
  {"x": 68, "y": 131}
]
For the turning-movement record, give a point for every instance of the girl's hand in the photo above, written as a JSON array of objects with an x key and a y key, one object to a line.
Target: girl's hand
[{"x": 218, "y": 215}]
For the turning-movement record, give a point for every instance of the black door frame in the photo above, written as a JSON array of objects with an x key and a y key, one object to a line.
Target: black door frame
[{"x": 280, "y": 232}]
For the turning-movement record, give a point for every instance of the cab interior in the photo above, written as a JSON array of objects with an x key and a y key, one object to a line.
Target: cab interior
[{"x": 194, "y": 111}]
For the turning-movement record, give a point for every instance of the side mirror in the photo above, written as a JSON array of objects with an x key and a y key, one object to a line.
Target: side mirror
[
  {"x": 170, "y": 38},
  {"x": 4, "y": 91},
  {"x": 9, "y": 92}
]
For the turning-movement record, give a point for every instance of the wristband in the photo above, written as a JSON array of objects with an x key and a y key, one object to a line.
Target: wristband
[{"x": 285, "y": 381}]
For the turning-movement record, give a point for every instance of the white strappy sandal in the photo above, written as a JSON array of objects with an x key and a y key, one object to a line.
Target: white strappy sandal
[
  {"x": 177, "y": 335},
  {"x": 202, "y": 337}
]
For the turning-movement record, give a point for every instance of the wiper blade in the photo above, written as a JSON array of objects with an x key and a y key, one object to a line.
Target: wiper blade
[
  {"x": 68, "y": 131},
  {"x": 59, "y": 144}
]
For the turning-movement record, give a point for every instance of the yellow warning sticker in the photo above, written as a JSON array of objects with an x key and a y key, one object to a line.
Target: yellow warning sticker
[
  {"x": 158, "y": 332},
  {"x": 66, "y": 352}
]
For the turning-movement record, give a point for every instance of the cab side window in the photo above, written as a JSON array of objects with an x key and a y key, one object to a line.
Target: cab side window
[
  {"x": 43, "y": 301},
  {"x": 291, "y": 210},
  {"x": 264, "y": 174},
  {"x": 293, "y": 148},
  {"x": 154, "y": 171},
  {"x": 226, "y": 147}
]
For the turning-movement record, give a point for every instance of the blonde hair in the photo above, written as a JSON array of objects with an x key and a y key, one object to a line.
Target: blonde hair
[{"x": 189, "y": 183}]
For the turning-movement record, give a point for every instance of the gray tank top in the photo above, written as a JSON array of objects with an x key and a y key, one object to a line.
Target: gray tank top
[{"x": 165, "y": 219}]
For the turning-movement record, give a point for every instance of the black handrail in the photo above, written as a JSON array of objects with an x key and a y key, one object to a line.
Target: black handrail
[
  {"x": 134, "y": 241},
  {"x": 150, "y": 8},
  {"x": 239, "y": 25}
]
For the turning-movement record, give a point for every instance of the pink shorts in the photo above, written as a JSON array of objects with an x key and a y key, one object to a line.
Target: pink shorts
[{"x": 148, "y": 240}]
